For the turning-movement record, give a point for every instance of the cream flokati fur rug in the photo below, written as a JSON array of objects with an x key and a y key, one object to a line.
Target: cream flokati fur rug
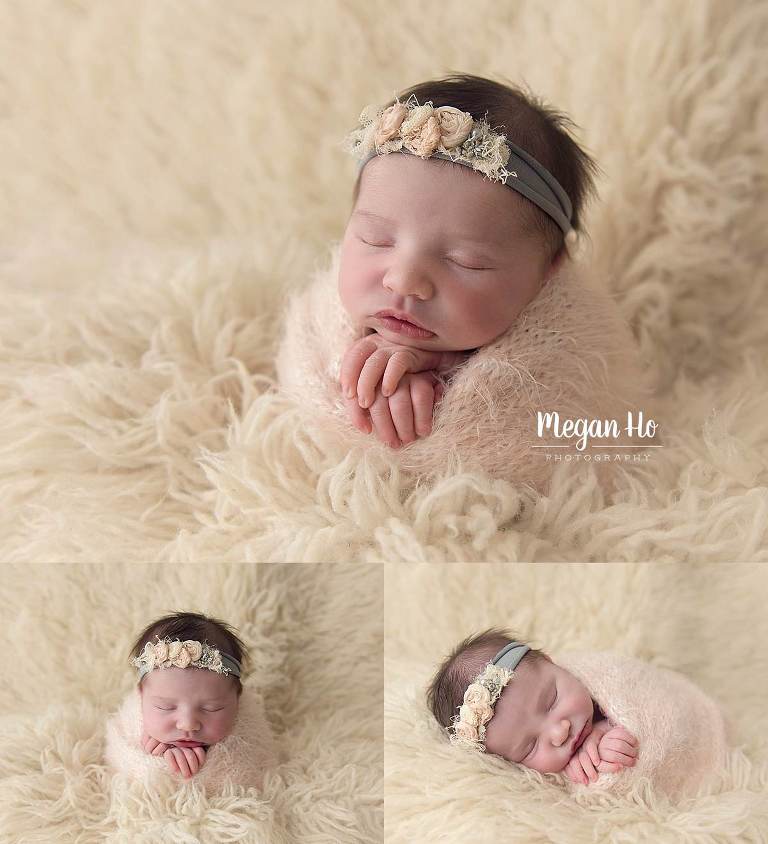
[
  {"x": 169, "y": 178},
  {"x": 705, "y": 623},
  {"x": 70, "y": 627}
]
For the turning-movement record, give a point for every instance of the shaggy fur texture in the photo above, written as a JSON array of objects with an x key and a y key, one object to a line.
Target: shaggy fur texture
[
  {"x": 169, "y": 177},
  {"x": 568, "y": 352},
  {"x": 70, "y": 629},
  {"x": 704, "y": 622}
]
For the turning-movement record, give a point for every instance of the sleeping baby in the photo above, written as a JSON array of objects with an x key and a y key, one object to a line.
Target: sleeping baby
[
  {"x": 601, "y": 720},
  {"x": 451, "y": 316},
  {"x": 189, "y": 714}
]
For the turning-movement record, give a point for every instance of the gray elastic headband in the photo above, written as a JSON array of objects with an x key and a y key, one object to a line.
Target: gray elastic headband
[
  {"x": 527, "y": 177},
  {"x": 510, "y": 655}
]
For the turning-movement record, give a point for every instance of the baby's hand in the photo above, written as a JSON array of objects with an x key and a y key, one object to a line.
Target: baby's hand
[
  {"x": 618, "y": 747},
  {"x": 405, "y": 415},
  {"x": 589, "y": 762},
  {"x": 153, "y": 746},
  {"x": 373, "y": 359},
  {"x": 186, "y": 761}
]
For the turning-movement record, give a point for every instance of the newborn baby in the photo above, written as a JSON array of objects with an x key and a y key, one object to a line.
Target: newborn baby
[
  {"x": 593, "y": 719},
  {"x": 451, "y": 294},
  {"x": 546, "y": 720},
  {"x": 189, "y": 712}
]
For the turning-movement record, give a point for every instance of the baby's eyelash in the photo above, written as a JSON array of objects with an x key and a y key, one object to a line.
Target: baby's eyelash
[{"x": 465, "y": 267}]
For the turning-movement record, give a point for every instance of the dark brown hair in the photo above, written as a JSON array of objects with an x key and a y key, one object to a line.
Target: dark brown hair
[
  {"x": 198, "y": 627},
  {"x": 445, "y": 693},
  {"x": 528, "y": 122}
]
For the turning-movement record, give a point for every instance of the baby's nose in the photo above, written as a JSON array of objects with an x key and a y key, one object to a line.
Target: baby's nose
[
  {"x": 561, "y": 732},
  {"x": 408, "y": 282}
]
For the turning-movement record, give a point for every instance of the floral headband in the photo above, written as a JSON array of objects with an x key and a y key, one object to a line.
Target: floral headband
[
  {"x": 454, "y": 135},
  {"x": 468, "y": 728},
  {"x": 174, "y": 653}
]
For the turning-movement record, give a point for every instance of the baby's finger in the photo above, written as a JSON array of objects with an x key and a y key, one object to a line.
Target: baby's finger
[
  {"x": 370, "y": 376},
  {"x": 401, "y": 409},
  {"x": 170, "y": 758},
  {"x": 592, "y": 751},
  {"x": 620, "y": 745},
  {"x": 352, "y": 363},
  {"x": 357, "y": 416},
  {"x": 200, "y": 753},
  {"x": 423, "y": 401},
  {"x": 187, "y": 762},
  {"x": 400, "y": 363},
  {"x": 608, "y": 767},
  {"x": 587, "y": 766},
  {"x": 614, "y": 756},
  {"x": 624, "y": 735},
  {"x": 381, "y": 421}
]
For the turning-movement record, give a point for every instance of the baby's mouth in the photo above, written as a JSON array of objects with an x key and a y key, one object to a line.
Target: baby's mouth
[{"x": 402, "y": 324}]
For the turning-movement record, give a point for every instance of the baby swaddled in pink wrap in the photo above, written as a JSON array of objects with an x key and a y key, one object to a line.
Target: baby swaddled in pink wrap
[
  {"x": 602, "y": 720},
  {"x": 451, "y": 316},
  {"x": 189, "y": 716}
]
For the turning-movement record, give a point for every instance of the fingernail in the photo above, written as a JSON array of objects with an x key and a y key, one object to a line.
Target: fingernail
[{"x": 363, "y": 403}]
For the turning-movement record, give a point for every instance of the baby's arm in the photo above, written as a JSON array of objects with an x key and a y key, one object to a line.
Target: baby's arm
[{"x": 373, "y": 362}]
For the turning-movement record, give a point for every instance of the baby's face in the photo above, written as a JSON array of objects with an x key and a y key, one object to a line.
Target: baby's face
[
  {"x": 441, "y": 245},
  {"x": 542, "y": 716},
  {"x": 182, "y": 706}
]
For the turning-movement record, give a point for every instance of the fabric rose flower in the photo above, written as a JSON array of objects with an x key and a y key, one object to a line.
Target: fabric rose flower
[
  {"x": 161, "y": 651},
  {"x": 425, "y": 140},
  {"x": 455, "y": 126},
  {"x": 477, "y": 696},
  {"x": 466, "y": 732},
  {"x": 483, "y": 715},
  {"x": 388, "y": 125},
  {"x": 182, "y": 659},
  {"x": 173, "y": 650},
  {"x": 468, "y": 715},
  {"x": 194, "y": 649}
]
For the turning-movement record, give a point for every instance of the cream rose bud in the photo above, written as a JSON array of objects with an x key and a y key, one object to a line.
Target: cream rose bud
[
  {"x": 469, "y": 716},
  {"x": 425, "y": 140},
  {"x": 183, "y": 659},
  {"x": 388, "y": 124},
  {"x": 161, "y": 651},
  {"x": 484, "y": 715},
  {"x": 455, "y": 126},
  {"x": 477, "y": 696},
  {"x": 465, "y": 731},
  {"x": 174, "y": 649},
  {"x": 148, "y": 656},
  {"x": 195, "y": 649}
]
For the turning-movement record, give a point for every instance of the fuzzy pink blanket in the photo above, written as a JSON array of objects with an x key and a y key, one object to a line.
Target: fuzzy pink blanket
[
  {"x": 680, "y": 729},
  {"x": 241, "y": 758},
  {"x": 569, "y": 351}
]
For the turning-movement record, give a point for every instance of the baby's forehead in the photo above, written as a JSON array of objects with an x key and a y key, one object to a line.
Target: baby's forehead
[
  {"x": 183, "y": 682},
  {"x": 529, "y": 681}
]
